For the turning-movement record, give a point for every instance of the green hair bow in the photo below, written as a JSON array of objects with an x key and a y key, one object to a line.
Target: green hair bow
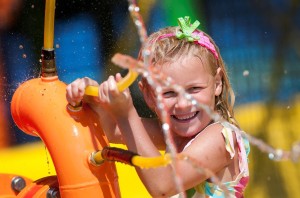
[{"x": 186, "y": 29}]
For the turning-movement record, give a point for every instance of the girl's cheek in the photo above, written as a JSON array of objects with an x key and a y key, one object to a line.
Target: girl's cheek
[{"x": 169, "y": 102}]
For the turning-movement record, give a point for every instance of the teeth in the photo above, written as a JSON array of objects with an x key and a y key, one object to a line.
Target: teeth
[{"x": 184, "y": 117}]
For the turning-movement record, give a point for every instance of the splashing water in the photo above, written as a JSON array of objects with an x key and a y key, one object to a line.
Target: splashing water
[{"x": 147, "y": 52}]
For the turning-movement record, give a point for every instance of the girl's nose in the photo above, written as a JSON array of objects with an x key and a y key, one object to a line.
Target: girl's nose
[{"x": 182, "y": 102}]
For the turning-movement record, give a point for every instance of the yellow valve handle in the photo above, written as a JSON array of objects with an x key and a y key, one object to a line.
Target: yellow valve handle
[
  {"x": 122, "y": 85},
  {"x": 151, "y": 162},
  {"x": 128, "y": 157}
]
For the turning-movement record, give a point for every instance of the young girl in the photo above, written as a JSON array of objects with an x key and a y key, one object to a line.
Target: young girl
[{"x": 192, "y": 60}]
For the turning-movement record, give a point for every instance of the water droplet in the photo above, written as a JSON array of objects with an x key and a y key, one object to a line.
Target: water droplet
[
  {"x": 277, "y": 155},
  {"x": 165, "y": 126},
  {"x": 158, "y": 89},
  {"x": 246, "y": 73},
  {"x": 130, "y": 8},
  {"x": 146, "y": 52},
  {"x": 21, "y": 46},
  {"x": 160, "y": 106},
  {"x": 194, "y": 102},
  {"x": 188, "y": 96},
  {"x": 24, "y": 56},
  {"x": 57, "y": 46},
  {"x": 32, "y": 6},
  {"x": 138, "y": 23}
]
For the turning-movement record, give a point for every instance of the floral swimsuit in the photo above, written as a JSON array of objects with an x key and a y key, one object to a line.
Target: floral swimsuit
[{"x": 234, "y": 188}]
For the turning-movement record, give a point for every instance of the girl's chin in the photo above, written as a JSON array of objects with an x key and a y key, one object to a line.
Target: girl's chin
[
  {"x": 188, "y": 131},
  {"x": 186, "y": 134}
]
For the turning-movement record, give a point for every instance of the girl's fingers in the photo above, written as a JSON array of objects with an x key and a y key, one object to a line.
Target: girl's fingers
[
  {"x": 103, "y": 92},
  {"x": 76, "y": 89},
  {"x": 72, "y": 92},
  {"x": 112, "y": 86},
  {"x": 118, "y": 77},
  {"x": 89, "y": 82}
]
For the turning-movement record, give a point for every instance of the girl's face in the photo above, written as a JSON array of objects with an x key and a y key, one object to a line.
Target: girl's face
[{"x": 196, "y": 79}]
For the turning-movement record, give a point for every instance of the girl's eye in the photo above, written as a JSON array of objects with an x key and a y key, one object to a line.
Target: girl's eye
[
  {"x": 194, "y": 90},
  {"x": 169, "y": 94}
]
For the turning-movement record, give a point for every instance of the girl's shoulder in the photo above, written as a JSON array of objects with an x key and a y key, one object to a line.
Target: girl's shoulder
[
  {"x": 231, "y": 134},
  {"x": 221, "y": 134},
  {"x": 209, "y": 148},
  {"x": 224, "y": 128},
  {"x": 212, "y": 130},
  {"x": 210, "y": 138},
  {"x": 234, "y": 136},
  {"x": 224, "y": 125}
]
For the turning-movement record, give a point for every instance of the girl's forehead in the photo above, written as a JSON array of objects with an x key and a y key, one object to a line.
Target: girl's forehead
[
  {"x": 187, "y": 71},
  {"x": 186, "y": 63}
]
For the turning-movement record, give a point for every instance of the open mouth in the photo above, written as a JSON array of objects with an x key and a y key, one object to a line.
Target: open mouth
[{"x": 185, "y": 117}]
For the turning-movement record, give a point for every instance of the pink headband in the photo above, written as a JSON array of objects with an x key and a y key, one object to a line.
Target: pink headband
[
  {"x": 190, "y": 32},
  {"x": 203, "y": 41}
]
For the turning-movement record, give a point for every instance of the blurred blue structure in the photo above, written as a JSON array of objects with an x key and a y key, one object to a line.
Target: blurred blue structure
[
  {"x": 19, "y": 66},
  {"x": 78, "y": 53},
  {"x": 257, "y": 41}
]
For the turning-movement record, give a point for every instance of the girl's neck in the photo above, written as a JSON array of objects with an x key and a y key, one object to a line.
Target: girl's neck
[{"x": 181, "y": 142}]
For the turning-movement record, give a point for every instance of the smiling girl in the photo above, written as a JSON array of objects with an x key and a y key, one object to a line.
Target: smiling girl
[{"x": 192, "y": 60}]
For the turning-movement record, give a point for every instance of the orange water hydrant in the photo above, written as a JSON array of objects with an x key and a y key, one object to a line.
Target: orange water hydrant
[{"x": 39, "y": 107}]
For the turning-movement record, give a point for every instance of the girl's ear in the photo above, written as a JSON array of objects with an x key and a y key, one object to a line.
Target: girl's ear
[
  {"x": 148, "y": 95},
  {"x": 219, "y": 82}
]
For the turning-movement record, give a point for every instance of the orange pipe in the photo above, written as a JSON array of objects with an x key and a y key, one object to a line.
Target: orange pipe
[{"x": 39, "y": 108}]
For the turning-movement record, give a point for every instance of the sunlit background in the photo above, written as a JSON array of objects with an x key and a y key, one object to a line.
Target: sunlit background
[{"x": 259, "y": 42}]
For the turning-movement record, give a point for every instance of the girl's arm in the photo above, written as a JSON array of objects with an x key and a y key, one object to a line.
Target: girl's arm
[
  {"x": 118, "y": 104},
  {"x": 75, "y": 93}
]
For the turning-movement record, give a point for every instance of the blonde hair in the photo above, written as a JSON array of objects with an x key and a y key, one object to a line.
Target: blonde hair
[{"x": 170, "y": 49}]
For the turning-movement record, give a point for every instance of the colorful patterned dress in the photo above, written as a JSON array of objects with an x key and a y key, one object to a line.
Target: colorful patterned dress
[{"x": 234, "y": 188}]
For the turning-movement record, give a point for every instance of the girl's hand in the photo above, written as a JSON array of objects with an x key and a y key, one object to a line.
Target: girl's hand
[
  {"x": 116, "y": 102},
  {"x": 76, "y": 89}
]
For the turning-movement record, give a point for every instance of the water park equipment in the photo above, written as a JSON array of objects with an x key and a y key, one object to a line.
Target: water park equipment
[
  {"x": 39, "y": 108},
  {"x": 73, "y": 139}
]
